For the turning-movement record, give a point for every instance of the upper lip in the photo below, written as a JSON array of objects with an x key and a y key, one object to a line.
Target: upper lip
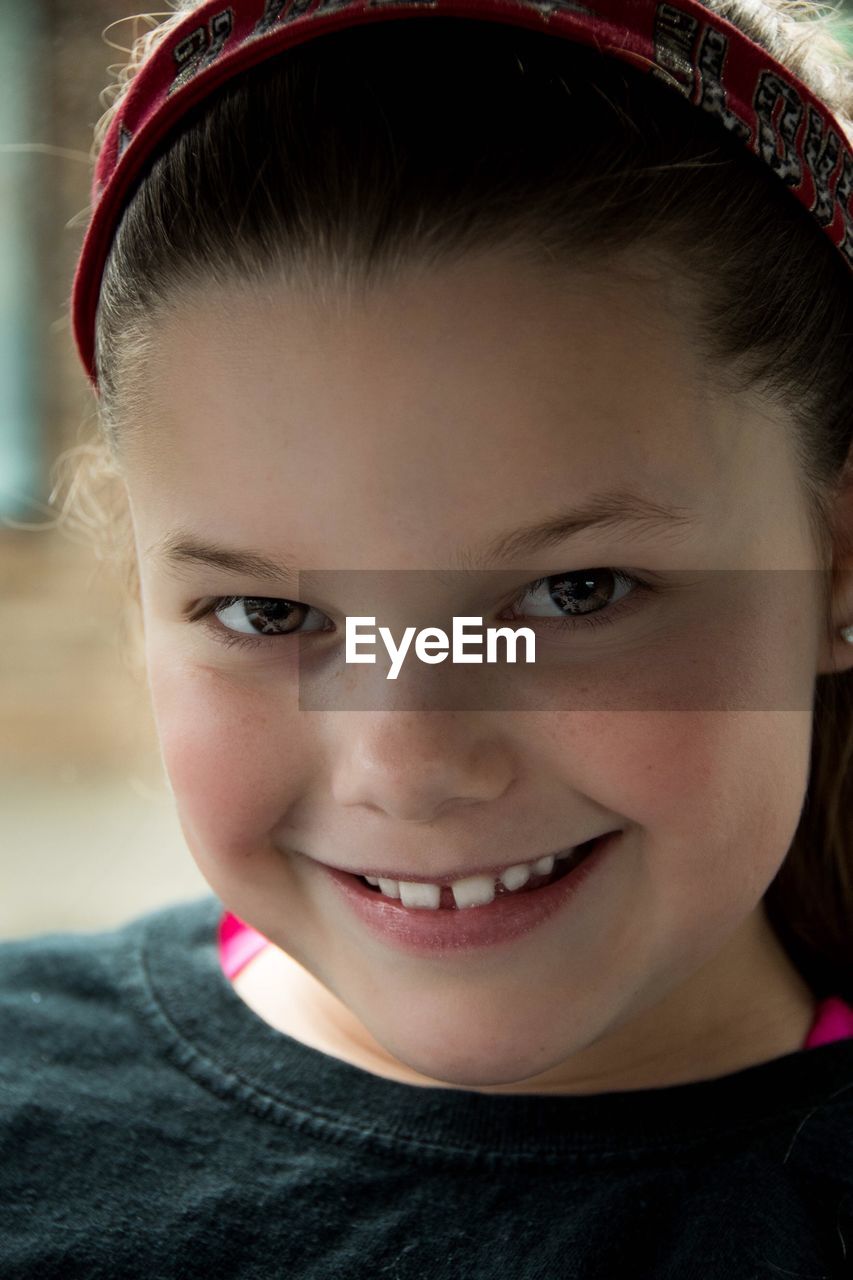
[{"x": 490, "y": 869}]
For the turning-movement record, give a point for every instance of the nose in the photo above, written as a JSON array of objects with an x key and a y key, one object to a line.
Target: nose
[{"x": 416, "y": 765}]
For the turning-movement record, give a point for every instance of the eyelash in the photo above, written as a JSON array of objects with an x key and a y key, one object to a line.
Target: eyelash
[{"x": 602, "y": 617}]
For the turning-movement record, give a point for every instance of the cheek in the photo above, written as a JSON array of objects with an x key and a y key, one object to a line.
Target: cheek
[
  {"x": 711, "y": 803},
  {"x": 706, "y": 792},
  {"x": 233, "y": 758},
  {"x": 734, "y": 781}
]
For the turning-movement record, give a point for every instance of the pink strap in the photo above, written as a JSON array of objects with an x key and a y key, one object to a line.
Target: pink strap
[
  {"x": 239, "y": 943},
  {"x": 833, "y": 1021}
]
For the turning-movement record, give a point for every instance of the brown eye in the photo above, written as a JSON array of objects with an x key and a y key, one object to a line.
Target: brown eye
[
  {"x": 580, "y": 592},
  {"x": 262, "y": 615}
]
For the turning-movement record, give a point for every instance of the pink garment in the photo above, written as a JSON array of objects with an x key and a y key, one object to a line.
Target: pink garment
[
  {"x": 833, "y": 1021},
  {"x": 239, "y": 943}
]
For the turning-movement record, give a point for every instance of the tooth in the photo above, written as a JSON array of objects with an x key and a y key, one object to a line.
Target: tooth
[
  {"x": 372, "y": 880},
  {"x": 419, "y": 895},
  {"x": 543, "y": 866},
  {"x": 390, "y": 887},
  {"x": 515, "y": 877},
  {"x": 476, "y": 891}
]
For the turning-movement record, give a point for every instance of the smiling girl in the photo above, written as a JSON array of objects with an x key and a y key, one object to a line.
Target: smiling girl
[{"x": 537, "y": 314}]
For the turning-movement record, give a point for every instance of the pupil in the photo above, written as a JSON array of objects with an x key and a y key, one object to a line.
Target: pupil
[{"x": 566, "y": 594}]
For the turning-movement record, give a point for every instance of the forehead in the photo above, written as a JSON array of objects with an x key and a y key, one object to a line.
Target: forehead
[{"x": 433, "y": 394}]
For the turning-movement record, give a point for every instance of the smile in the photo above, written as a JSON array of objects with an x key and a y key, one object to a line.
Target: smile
[
  {"x": 505, "y": 917},
  {"x": 478, "y": 891}
]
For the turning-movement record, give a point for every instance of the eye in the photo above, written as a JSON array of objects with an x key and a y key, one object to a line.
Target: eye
[
  {"x": 243, "y": 620},
  {"x": 585, "y": 594},
  {"x": 571, "y": 600}
]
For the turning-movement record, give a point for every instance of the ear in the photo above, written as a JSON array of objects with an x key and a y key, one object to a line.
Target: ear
[{"x": 837, "y": 650}]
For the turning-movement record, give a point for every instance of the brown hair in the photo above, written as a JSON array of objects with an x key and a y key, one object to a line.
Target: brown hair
[{"x": 426, "y": 139}]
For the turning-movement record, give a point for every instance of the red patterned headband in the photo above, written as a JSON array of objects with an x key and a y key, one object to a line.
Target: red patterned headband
[{"x": 687, "y": 45}]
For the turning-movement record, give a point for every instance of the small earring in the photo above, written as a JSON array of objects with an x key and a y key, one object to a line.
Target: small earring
[{"x": 847, "y": 633}]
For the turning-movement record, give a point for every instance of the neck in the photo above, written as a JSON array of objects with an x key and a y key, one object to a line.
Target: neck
[{"x": 748, "y": 1005}]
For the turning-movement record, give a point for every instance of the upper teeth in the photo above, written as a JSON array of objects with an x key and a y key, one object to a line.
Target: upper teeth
[{"x": 473, "y": 891}]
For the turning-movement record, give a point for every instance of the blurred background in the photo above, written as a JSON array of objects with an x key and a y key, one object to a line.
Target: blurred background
[{"x": 88, "y": 832}]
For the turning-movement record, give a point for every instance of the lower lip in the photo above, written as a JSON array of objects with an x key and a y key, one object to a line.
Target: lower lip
[{"x": 506, "y": 918}]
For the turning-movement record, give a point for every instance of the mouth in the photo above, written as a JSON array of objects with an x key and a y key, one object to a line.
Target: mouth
[
  {"x": 430, "y": 921},
  {"x": 564, "y": 863}
]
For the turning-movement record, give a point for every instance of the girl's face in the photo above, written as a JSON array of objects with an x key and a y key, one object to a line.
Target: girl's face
[{"x": 409, "y": 431}]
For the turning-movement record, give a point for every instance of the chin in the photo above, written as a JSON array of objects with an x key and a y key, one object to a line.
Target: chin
[
  {"x": 463, "y": 1058},
  {"x": 474, "y": 1073}
]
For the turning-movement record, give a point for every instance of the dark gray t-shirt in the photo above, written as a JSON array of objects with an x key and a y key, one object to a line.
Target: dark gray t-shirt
[{"x": 152, "y": 1125}]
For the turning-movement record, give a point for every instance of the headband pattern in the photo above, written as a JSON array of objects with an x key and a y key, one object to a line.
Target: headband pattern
[{"x": 686, "y": 45}]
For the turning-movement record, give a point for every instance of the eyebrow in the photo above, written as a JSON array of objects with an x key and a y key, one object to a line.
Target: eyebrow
[{"x": 617, "y": 511}]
